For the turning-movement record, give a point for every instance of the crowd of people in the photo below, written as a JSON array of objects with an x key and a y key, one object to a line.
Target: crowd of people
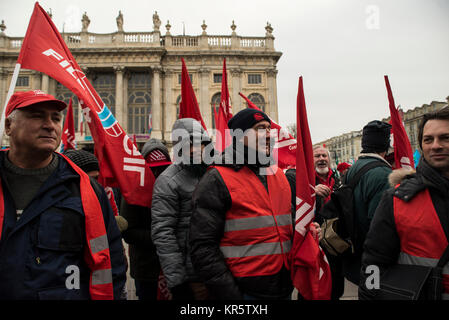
[{"x": 214, "y": 231}]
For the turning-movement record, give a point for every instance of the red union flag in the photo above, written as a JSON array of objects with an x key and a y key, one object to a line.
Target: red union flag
[
  {"x": 403, "y": 154},
  {"x": 310, "y": 269},
  {"x": 225, "y": 100},
  {"x": 121, "y": 164},
  {"x": 68, "y": 132},
  {"x": 188, "y": 108},
  {"x": 285, "y": 143}
]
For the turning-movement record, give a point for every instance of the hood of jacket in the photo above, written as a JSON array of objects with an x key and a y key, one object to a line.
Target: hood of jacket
[
  {"x": 425, "y": 177},
  {"x": 186, "y": 130},
  {"x": 155, "y": 144}
]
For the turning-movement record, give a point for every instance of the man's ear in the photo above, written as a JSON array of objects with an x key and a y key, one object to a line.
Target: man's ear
[{"x": 8, "y": 126}]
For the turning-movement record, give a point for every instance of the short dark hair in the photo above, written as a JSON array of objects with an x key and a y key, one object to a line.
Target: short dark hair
[{"x": 442, "y": 114}]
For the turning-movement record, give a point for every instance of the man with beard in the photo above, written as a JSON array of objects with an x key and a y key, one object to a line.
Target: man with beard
[
  {"x": 411, "y": 223},
  {"x": 241, "y": 227},
  {"x": 172, "y": 208}
]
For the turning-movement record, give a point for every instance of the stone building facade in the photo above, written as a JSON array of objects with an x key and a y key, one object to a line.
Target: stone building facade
[
  {"x": 347, "y": 146},
  {"x": 138, "y": 73}
]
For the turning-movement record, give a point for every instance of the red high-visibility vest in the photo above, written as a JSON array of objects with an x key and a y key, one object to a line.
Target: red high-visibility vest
[
  {"x": 258, "y": 228},
  {"x": 422, "y": 237}
]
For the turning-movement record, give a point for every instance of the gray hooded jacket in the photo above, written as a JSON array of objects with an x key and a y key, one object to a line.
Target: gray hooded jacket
[{"x": 172, "y": 207}]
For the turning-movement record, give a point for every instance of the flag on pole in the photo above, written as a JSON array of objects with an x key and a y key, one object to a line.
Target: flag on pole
[
  {"x": 416, "y": 157},
  {"x": 285, "y": 143},
  {"x": 310, "y": 269},
  {"x": 121, "y": 164},
  {"x": 188, "y": 107},
  {"x": 225, "y": 100},
  {"x": 68, "y": 131},
  {"x": 150, "y": 123},
  {"x": 403, "y": 154}
]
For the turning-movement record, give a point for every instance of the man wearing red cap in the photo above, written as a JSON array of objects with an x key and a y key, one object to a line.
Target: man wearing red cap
[{"x": 58, "y": 236}]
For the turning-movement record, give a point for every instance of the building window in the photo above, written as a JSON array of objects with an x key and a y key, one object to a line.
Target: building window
[
  {"x": 180, "y": 78},
  {"x": 139, "y": 102},
  {"x": 178, "y": 106},
  {"x": 217, "y": 77},
  {"x": 215, "y": 103},
  {"x": 23, "y": 81},
  {"x": 104, "y": 84},
  {"x": 64, "y": 94},
  {"x": 258, "y": 100},
  {"x": 254, "y": 78}
]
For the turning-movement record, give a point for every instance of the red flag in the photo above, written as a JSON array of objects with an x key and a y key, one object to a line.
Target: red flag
[
  {"x": 121, "y": 164},
  {"x": 188, "y": 107},
  {"x": 225, "y": 100},
  {"x": 285, "y": 143},
  {"x": 310, "y": 269},
  {"x": 223, "y": 135},
  {"x": 68, "y": 132},
  {"x": 403, "y": 154}
]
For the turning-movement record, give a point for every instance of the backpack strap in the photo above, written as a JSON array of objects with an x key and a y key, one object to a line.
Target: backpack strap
[
  {"x": 444, "y": 258},
  {"x": 363, "y": 170}
]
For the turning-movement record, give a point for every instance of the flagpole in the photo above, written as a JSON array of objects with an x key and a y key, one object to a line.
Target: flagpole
[{"x": 12, "y": 86}]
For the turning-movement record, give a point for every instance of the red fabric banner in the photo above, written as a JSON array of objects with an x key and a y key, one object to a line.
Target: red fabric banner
[
  {"x": 189, "y": 105},
  {"x": 310, "y": 269},
  {"x": 225, "y": 100},
  {"x": 403, "y": 154},
  {"x": 68, "y": 131},
  {"x": 121, "y": 164}
]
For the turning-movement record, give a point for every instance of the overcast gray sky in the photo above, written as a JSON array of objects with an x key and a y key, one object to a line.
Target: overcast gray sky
[{"x": 342, "y": 48}]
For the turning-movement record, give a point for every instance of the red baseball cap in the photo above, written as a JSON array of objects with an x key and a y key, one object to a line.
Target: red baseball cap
[
  {"x": 24, "y": 99},
  {"x": 157, "y": 158}
]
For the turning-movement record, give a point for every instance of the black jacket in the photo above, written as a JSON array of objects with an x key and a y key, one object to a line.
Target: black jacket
[
  {"x": 36, "y": 250},
  {"x": 211, "y": 202},
  {"x": 382, "y": 244}
]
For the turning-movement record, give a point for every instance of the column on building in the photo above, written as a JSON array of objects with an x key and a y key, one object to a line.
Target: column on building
[
  {"x": 126, "y": 77},
  {"x": 36, "y": 80},
  {"x": 119, "y": 97},
  {"x": 169, "y": 114},
  {"x": 156, "y": 107},
  {"x": 204, "y": 96},
  {"x": 272, "y": 109},
  {"x": 45, "y": 83},
  {"x": 237, "y": 104},
  {"x": 3, "y": 86}
]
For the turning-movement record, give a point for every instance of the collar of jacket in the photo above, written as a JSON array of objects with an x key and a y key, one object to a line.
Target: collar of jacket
[
  {"x": 373, "y": 155},
  {"x": 425, "y": 177}
]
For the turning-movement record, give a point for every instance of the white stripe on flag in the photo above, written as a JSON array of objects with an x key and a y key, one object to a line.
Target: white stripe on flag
[{"x": 285, "y": 143}]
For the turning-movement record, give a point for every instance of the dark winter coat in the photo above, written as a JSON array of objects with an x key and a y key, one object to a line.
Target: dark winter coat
[
  {"x": 171, "y": 210},
  {"x": 367, "y": 195},
  {"x": 382, "y": 245},
  {"x": 50, "y": 236}
]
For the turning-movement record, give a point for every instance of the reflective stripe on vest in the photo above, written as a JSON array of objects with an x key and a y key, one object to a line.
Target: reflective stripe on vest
[
  {"x": 257, "y": 222},
  {"x": 421, "y": 235},
  {"x": 258, "y": 249},
  {"x": 258, "y": 227}
]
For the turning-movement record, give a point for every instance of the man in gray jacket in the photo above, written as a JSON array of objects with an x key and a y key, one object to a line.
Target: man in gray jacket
[{"x": 172, "y": 207}]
